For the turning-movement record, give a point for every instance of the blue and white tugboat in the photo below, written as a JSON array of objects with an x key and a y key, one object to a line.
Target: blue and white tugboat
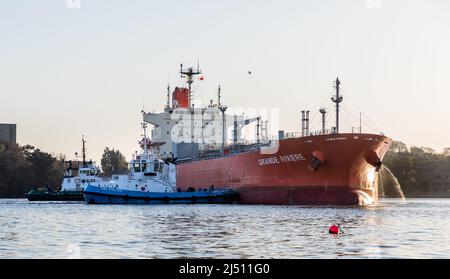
[{"x": 152, "y": 181}]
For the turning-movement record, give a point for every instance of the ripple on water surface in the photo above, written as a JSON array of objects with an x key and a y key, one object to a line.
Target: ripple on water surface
[{"x": 417, "y": 228}]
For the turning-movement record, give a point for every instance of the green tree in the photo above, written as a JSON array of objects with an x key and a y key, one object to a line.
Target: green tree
[
  {"x": 398, "y": 146},
  {"x": 113, "y": 162},
  {"x": 15, "y": 175},
  {"x": 23, "y": 168},
  {"x": 420, "y": 171}
]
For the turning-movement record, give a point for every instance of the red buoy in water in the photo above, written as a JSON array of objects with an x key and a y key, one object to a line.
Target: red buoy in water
[{"x": 334, "y": 229}]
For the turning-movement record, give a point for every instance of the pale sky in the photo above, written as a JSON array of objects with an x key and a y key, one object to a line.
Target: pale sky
[{"x": 67, "y": 72}]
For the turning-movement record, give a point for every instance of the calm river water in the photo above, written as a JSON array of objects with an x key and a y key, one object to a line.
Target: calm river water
[{"x": 415, "y": 228}]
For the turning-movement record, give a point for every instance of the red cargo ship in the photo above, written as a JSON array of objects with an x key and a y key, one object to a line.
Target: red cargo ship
[
  {"x": 335, "y": 169},
  {"x": 325, "y": 169}
]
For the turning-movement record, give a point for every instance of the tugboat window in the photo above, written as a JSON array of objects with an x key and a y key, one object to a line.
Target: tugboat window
[{"x": 137, "y": 167}]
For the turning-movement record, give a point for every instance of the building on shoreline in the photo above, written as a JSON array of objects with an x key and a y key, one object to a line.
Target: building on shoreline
[{"x": 8, "y": 133}]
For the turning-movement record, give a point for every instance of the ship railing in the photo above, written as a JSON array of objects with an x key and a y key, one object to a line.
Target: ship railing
[
  {"x": 230, "y": 151},
  {"x": 291, "y": 135},
  {"x": 320, "y": 132}
]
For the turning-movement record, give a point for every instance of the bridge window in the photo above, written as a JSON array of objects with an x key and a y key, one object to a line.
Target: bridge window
[{"x": 137, "y": 167}]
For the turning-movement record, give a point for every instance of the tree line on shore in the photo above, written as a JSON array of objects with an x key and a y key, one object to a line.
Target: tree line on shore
[
  {"x": 24, "y": 168},
  {"x": 420, "y": 171}
]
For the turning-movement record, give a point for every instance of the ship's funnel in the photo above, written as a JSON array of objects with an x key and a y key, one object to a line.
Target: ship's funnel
[{"x": 180, "y": 98}]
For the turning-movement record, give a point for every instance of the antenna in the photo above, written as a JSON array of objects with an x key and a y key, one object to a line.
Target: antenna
[
  {"x": 83, "y": 149},
  {"x": 218, "y": 96},
  {"x": 337, "y": 99},
  {"x": 190, "y": 73},
  {"x": 258, "y": 128},
  {"x": 144, "y": 128},
  {"x": 168, "y": 95}
]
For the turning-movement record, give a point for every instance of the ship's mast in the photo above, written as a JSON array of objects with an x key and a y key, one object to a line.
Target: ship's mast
[
  {"x": 144, "y": 128},
  {"x": 218, "y": 96},
  {"x": 323, "y": 111},
  {"x": 337, "y": 99},
  {"x": 83, "y": 150},
  {"x": 258, "y": 129},
  {"x": 168, "y": 95},
  {"x": 190, "y": 73},
  {"x": 222, "y": 109}
]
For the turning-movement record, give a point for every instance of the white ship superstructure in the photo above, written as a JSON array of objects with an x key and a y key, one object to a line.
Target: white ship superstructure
[{"x": 183, "y": 130}]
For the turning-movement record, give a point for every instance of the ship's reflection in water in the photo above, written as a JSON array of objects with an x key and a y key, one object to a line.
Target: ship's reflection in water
[{"x": 393, "y": 229}]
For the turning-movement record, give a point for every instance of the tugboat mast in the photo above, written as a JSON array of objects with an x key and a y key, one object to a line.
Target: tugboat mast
[
  {"x": 83, "y": 150},
  {"x": 144, "y": 156},
  {"x": 190, "y": 73},
  {"x": 144, "y": 128},
  {"x": 337, "y": 99}
]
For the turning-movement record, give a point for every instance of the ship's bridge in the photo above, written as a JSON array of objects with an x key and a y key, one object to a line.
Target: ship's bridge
[{"x": 182, "y": 132}]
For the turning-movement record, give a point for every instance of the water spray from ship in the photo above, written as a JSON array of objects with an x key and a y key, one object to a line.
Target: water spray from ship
[{"x": 389, "y": 183}]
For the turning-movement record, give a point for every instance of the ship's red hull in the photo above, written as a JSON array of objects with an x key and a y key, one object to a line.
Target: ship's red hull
[{"x": 336, "y": 169}]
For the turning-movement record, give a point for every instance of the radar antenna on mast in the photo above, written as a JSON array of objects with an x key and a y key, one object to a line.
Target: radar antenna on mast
[{"x": 190, "y": 73}]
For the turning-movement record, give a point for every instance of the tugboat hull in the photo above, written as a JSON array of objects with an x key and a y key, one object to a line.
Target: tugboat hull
[
  {"x": 36, "y": 195},
  {"x": 101, "y": 195}
]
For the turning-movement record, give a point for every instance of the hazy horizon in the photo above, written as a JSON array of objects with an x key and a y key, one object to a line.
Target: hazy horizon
[{"x": 67, "y": 72}]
